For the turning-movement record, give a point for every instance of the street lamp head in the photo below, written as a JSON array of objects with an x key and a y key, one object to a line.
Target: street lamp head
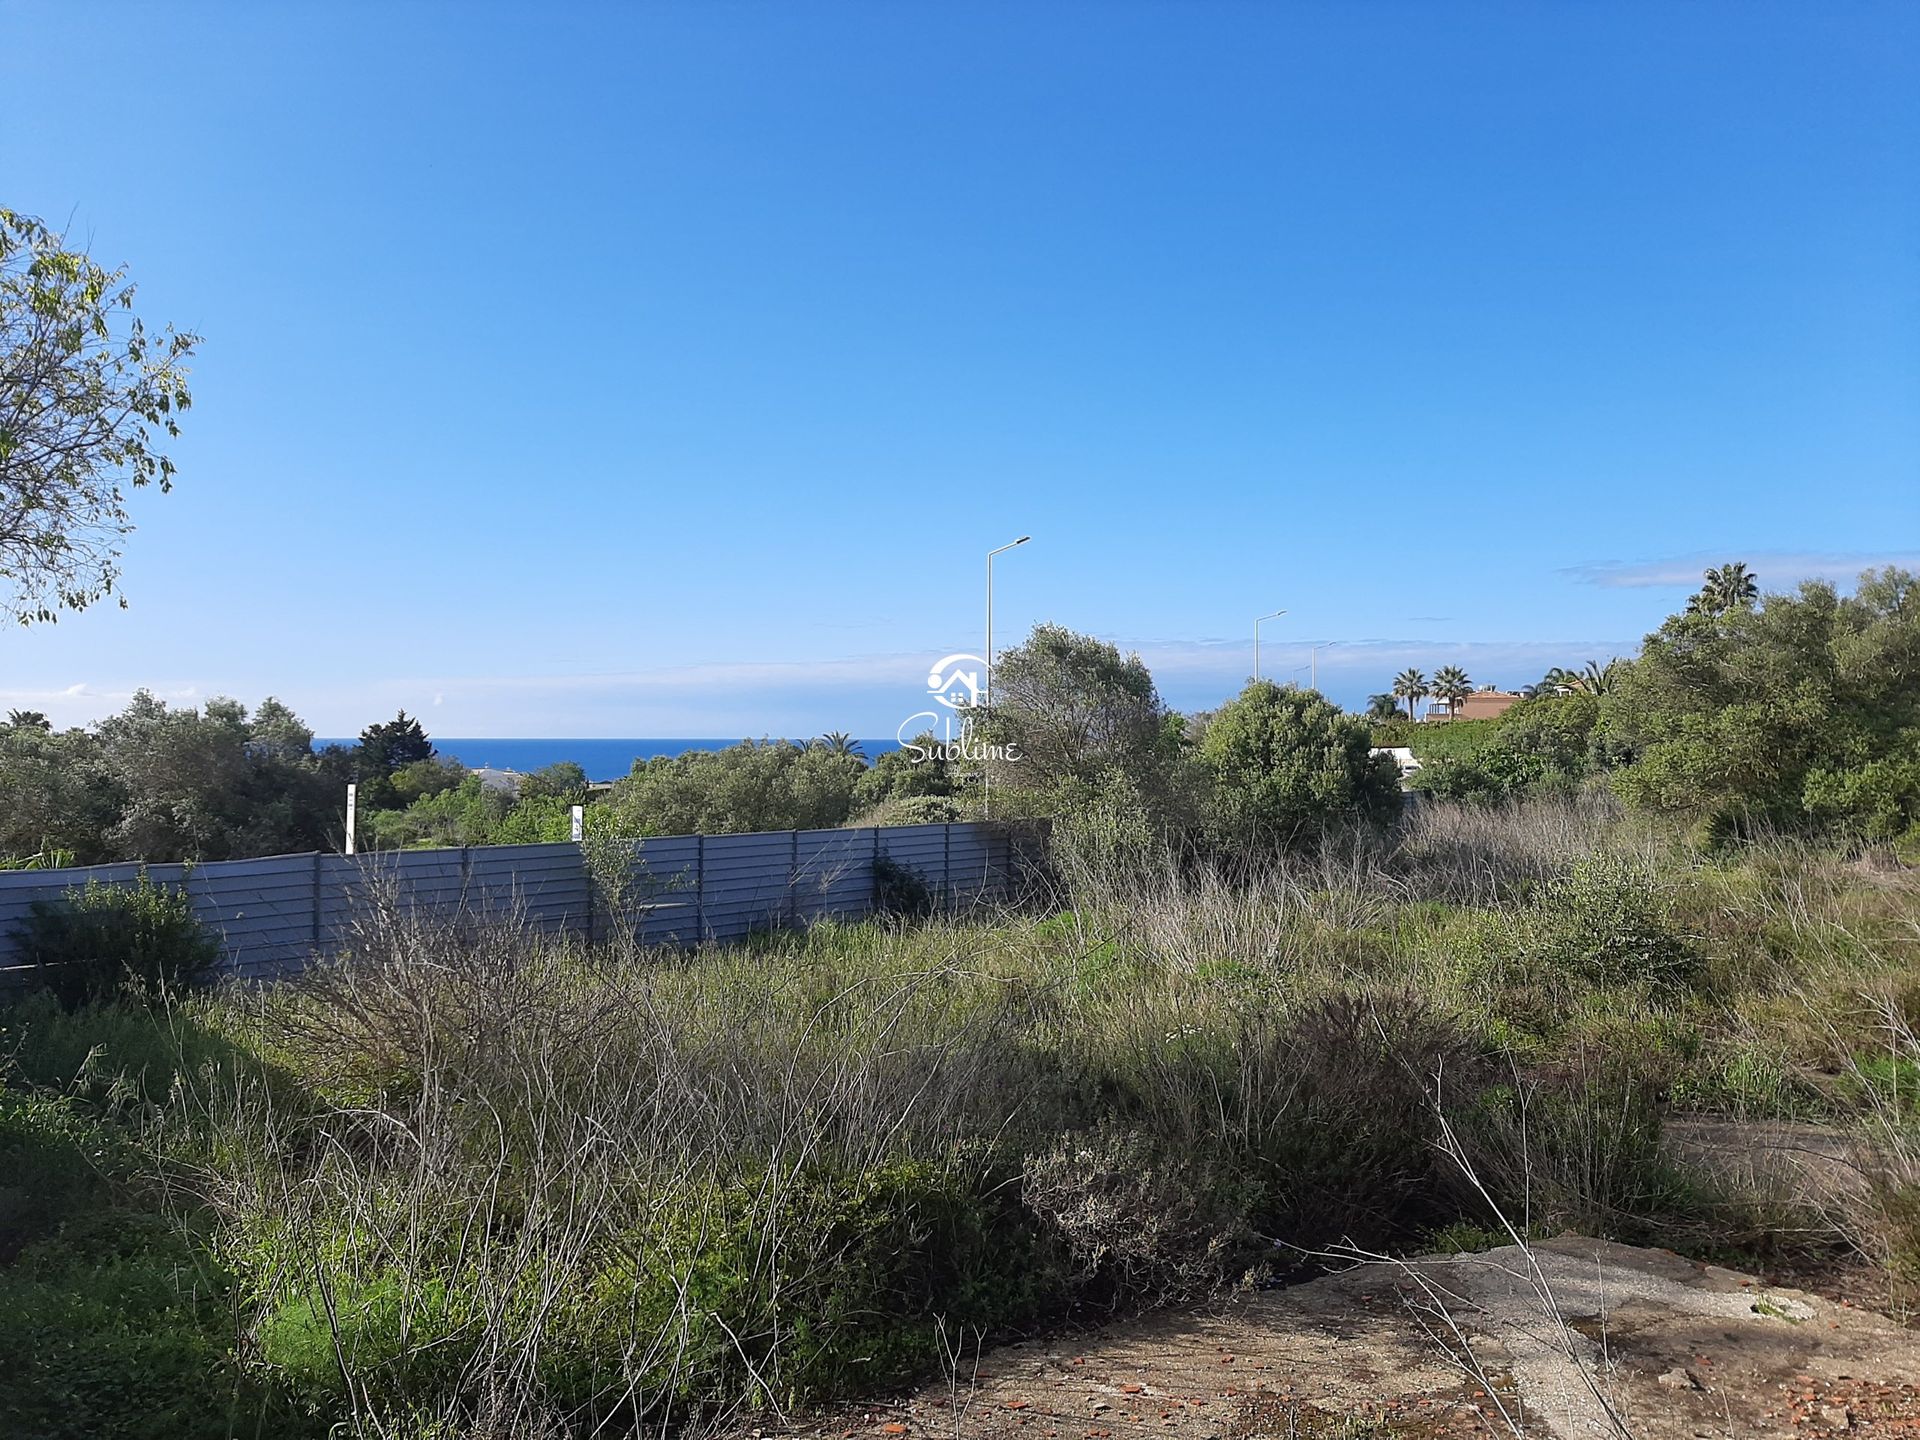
[{"x": 1023, "y": 539}]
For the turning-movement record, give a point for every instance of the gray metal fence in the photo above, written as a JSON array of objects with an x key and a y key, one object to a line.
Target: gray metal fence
[{"x": 275, "y": 914}]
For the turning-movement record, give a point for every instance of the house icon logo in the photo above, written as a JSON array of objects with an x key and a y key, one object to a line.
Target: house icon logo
[{"x": 954, "y": 685}]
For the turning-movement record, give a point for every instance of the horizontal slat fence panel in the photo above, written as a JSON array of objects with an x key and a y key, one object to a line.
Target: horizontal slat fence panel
[{"x": 273, "y": 915}]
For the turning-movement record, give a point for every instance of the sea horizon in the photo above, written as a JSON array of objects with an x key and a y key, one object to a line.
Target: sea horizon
[{"x": 601, "y": 759}]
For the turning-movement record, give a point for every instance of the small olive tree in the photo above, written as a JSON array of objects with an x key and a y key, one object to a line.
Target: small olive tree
[{"x": 85, "y": 394}]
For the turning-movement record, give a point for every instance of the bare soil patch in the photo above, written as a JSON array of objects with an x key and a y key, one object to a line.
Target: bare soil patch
[{"x": 1636, "y": 1342}]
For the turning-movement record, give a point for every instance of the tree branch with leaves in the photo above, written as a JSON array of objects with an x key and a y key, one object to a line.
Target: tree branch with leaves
[{"x": 87, "y": 395}]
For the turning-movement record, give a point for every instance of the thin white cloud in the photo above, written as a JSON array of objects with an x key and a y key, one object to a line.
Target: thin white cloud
[
  {"x": 865, "y": 693},
  {"x": 82, "y": 702},
  {"x": 1776, "y": 570}
]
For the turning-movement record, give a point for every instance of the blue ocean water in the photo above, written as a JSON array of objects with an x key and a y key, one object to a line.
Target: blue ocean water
[{"x": 601, "y": 759}]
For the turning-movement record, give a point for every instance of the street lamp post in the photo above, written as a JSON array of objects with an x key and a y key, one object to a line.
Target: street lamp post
[
  {"x": 1256, "y": 640},
  {"x": 986, "y": 694},
  {"x": 1323, "y": 645}
]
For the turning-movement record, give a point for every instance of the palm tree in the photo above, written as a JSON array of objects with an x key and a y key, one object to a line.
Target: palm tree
[
  {"x": 1382, "y": 707},
  {"x": 1450, "y": 683},
  {"x": 841, "y": 743},
  {"x": 1597, "y": 679},
  {"x": 1727, "y": 587},
  {"x": 1411, "y": 686},
  {"x": 1560, "y": 681}
]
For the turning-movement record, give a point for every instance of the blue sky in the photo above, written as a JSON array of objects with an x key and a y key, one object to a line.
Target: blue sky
[{"x": 667, "y": 370}]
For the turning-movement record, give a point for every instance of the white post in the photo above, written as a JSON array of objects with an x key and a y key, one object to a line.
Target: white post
[
  {"x": 353, "y": 795},
  {"x": 1323, "y": 645},
  {"x": 579, "y": 823},
  {"x": 1256, "y": 640},
  {"x": 986, "y": 699}
]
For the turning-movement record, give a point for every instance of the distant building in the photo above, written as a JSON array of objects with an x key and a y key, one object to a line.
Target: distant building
[
  {"x": 1480, "y": 705},
  {"x": 507, "y": 781}
]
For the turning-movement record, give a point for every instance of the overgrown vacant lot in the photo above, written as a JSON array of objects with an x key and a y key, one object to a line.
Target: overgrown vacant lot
[{"x": 480, "y": 1185}]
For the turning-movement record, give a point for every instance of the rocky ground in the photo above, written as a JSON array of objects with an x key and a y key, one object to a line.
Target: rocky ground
[{"x": 1633, "y": 1342}]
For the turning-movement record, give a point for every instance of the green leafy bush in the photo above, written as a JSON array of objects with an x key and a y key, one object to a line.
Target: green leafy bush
[
  {"x": 122, "y": 1330},
  {"x": 103, "y": 939},
  {"x": 1540, "y": 746},
  {"x": 913, "y": 810},
  {"x": 54, "y": 1163},
  {"x": 1607, "y": 921},
  {"x": 1800, "y": 713},
  {"x": 1283, "y": 763},
  {"x": 400, "y": 1335},
  {"x": 113, "y": 1056},
  {"x": 784, "y": 1289},
  {"x": 900, "y": 890},
  {"x": 114, "y": 1321}
]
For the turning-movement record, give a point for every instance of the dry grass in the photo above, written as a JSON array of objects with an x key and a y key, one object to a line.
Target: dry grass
[{"x": 476, "y": 1182}]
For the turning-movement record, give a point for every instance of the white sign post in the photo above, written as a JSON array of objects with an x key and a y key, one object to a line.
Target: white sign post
[
  {"x": 353, "y": 792},
  {"x": 579, "y": 823}
]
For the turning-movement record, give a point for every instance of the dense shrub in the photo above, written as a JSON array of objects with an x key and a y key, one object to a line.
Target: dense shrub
[
  {"x": 1074, "y": 723},
  {"x": 1802, "y": 711},
  {"x": 1142, "y": 1223},
  {"x": 900, "y": 891},
  {"x": 763, "y": 785},
  {"x": 1284, "y": 763},
  {"x": 116, "y": 1324},
  {"x": 1354, "y": 1157},
  {"x": 1608, "y": 921},
  {"x": 102, "y": 939},
  {"x": 1539, "y": 747},
  {"x": 1576, "y": 1144},
  {"x": 919, "y": 771},
  {"x": 914, "y": 810},
  {"x": 123, "y": 1330}
]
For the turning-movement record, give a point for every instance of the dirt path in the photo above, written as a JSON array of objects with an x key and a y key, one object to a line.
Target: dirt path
[{"x": 1644, "y": 1343}]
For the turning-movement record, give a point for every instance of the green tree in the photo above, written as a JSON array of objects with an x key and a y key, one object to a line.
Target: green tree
[
  {"x": 1382, "y": 707},
  {"x": 59, "y": 800},
  {"x": 1072, "y": 718},
  {"x": 1284, "y": 762},
  {"x": 203, "y": 784},
  {"x": 424, "y": 778},
  {"x": 386, "y": 748},
  {"x": 839, "y": 742},
  {"x": 563, "y": 780},
  {"x": 1450, "y": 683},
  {"x": 1595, "y": 678},
  {"x": 768, "y": 785},
  {"x": 277, "y": 734},
  {"x": 1557, "y": 681},
  {"x": 1411, "y": 686},
  {"x": 86, "y": 396},
  {"x": 470, "y": 813},
  {"x": 1541, "y": 745},
  {"x": 920, "y": 769},
  {"x": 1801, "y": 711}
]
